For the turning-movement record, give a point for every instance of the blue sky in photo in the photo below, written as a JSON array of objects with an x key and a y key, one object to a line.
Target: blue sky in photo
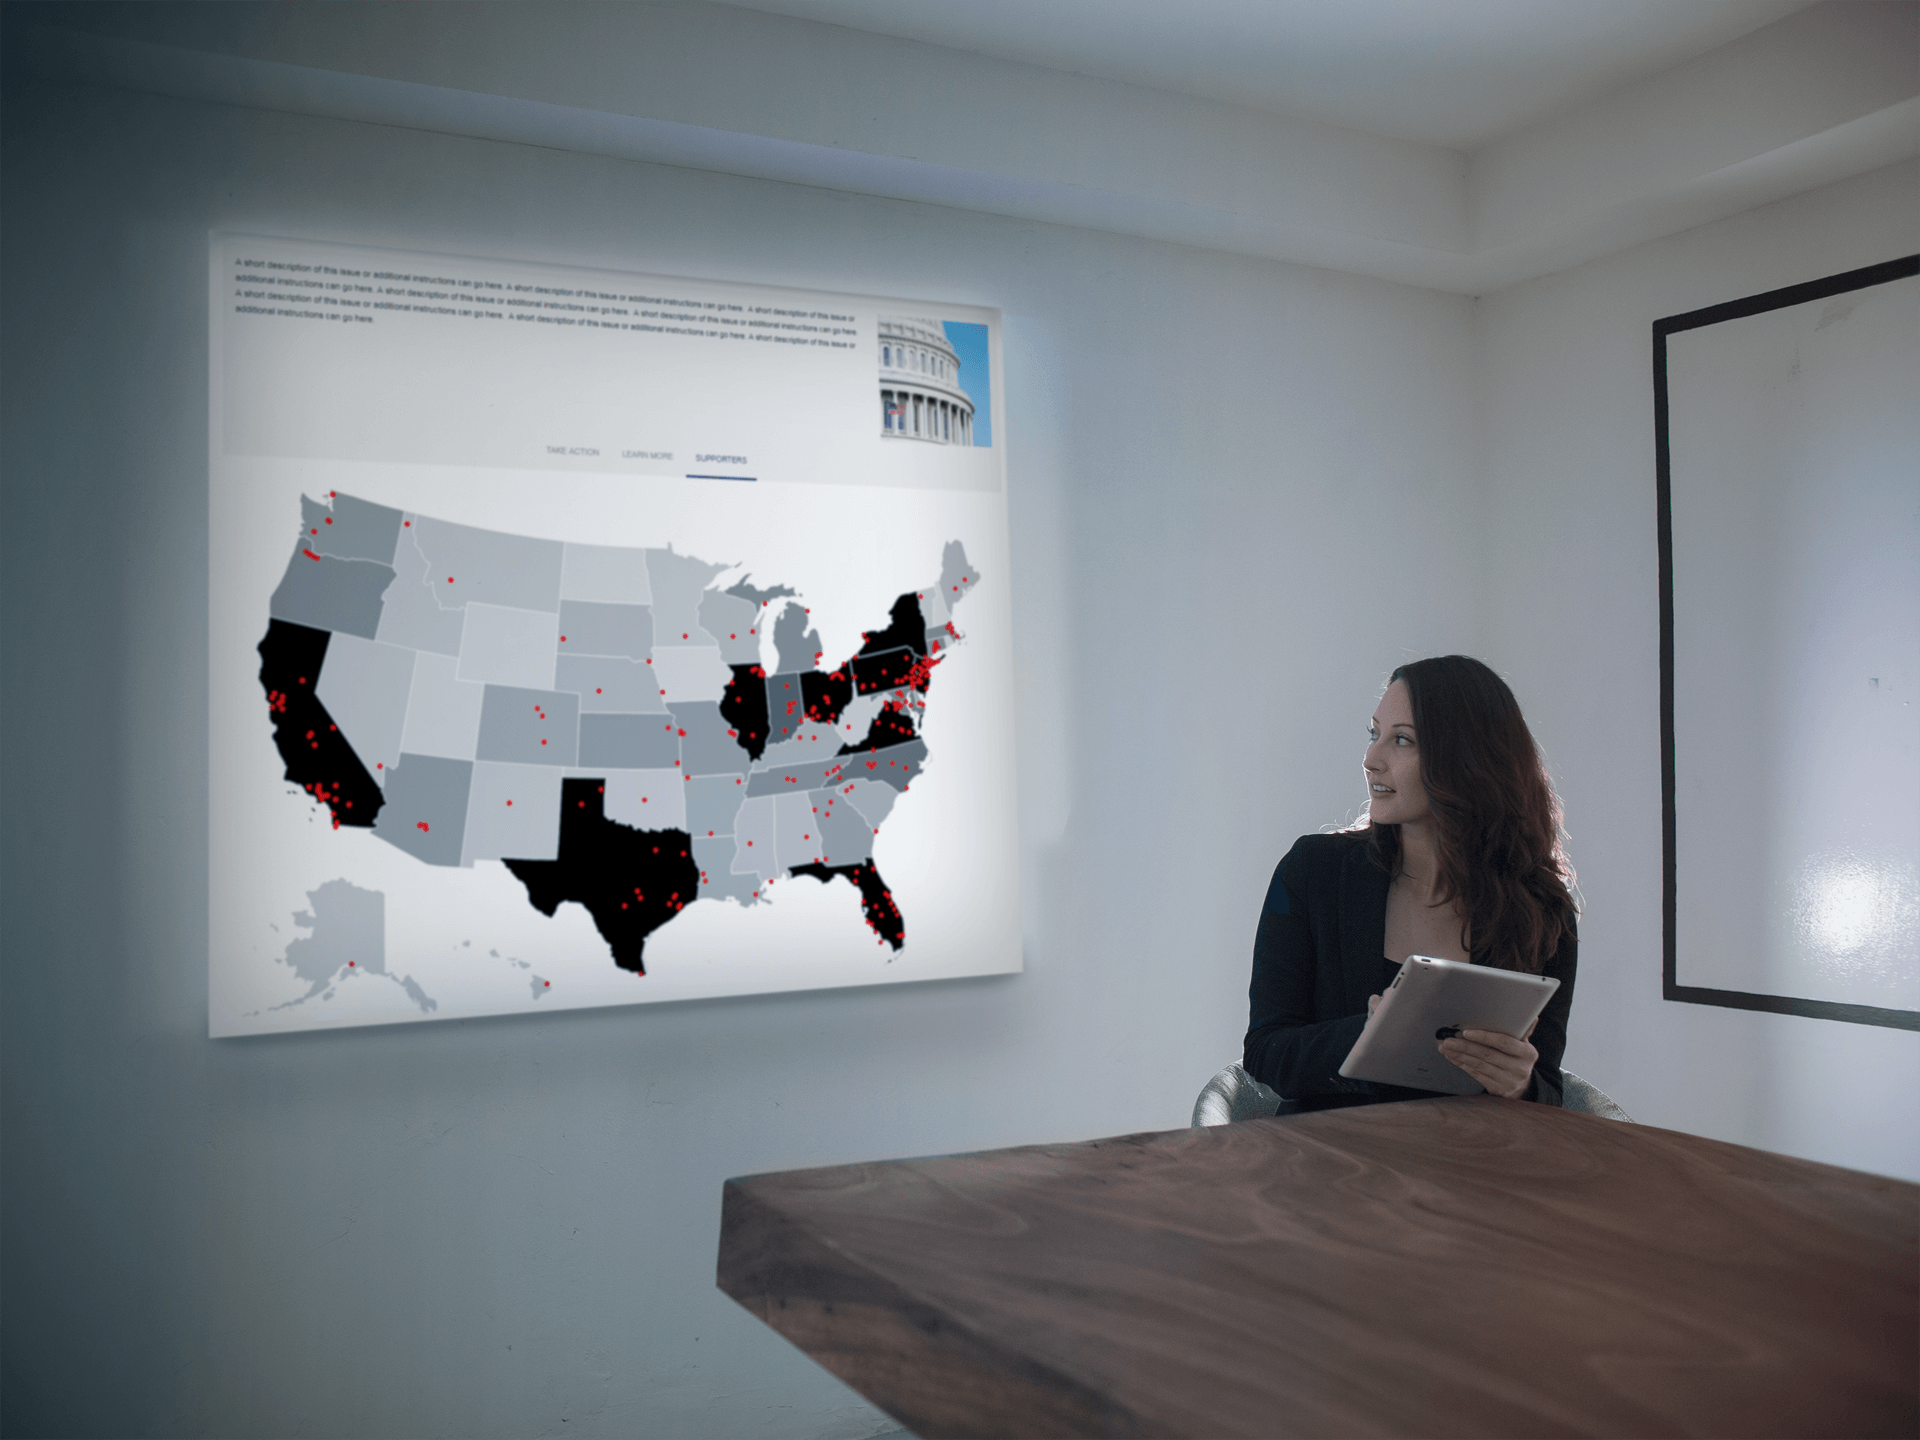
[{"x": 970, "y": 344}]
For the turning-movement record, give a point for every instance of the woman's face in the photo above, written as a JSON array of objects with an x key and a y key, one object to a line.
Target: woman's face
[{"x": 1392, "y": 764}]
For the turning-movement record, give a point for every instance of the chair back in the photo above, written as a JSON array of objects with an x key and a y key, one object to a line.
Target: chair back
[
  {"x": 1232, "y": 1095},
  {"x": 1589, "y": 1099}
]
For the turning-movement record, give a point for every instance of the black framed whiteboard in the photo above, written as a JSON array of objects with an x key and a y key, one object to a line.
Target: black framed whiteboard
[{"x": 1787, "y": 434}]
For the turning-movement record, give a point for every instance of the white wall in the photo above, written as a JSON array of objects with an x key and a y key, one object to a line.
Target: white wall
[
  {"x": 1573, "y": 620},
  {"x": 1240, "y": 491}
]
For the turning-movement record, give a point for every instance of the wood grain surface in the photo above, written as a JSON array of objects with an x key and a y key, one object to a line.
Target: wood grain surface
[{"x": 1465, "y": 1266}]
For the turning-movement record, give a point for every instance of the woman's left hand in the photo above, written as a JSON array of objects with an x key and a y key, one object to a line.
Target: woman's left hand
[{"x": 1501, "y": 1063}]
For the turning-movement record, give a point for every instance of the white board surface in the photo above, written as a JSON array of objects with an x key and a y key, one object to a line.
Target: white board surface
[{"x": 1795, "y": 444}]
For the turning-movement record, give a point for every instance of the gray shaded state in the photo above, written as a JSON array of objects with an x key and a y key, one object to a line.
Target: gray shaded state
[
  {"x": 628, "y": 742},
  {"x": 365, "y": 686},
  {"x": 607, "y": 683},
  {"x": 349, "y": 938},
  {"x": 588, "y": 627},
  {"x": 796, "y": 831},
  {"x": 786, "y": 707},
  {"x": 678, "y": 583},
  {"x": 956, "y": 575},
  {"x": 330, "y": 594},
  {"x": 754, "y": 850},
  {"x": 354, "y": 529},
  {"x": 443, "y": 711},
  {"x": 412, "y": 617},
  {"x": 690, "y": 672},
  {"x": 940, "y": 641},
  {"x": 815, "y": 742},
  {"x": 734, "y": 624},
  {"x": 608, "y": 573},
  {"x": 426, "y": 810},
  {"x": 646, "y": 799},
  {"x": 706, "y": 747},
  {"x": 933, "y": 606},
  {"x": 513, "y": 813},
  {"x": 712, "y": 802},
  {"x": 874, "y": 800},
  {"x": 489, "y": 565},
  {"x": 717, "y": 880},
  {"x": 503, "y": 646},
  {"x": 798, "y": 646},
  {"x": 788, "y": 779},
  {"x": 348, "y": 924},
  {"x": 753, "y": 595},
  {"x": 532, "y": 727},
  {"x": 896, "y": 765},
  {"x": 845, "y": 836}
]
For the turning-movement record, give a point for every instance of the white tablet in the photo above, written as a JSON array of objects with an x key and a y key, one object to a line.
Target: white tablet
[{"x": 1431, "y": 999}]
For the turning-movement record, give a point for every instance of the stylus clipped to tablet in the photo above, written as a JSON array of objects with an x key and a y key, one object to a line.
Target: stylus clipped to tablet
[{"x": 1431, "y": 998}]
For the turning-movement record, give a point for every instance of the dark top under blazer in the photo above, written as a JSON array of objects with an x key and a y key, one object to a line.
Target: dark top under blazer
[{"x": 1317, "y": 958}]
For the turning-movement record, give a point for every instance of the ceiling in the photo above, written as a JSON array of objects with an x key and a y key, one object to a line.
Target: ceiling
[
  {"x": 1462, "y": 145},
  {"x": 1454, "y": 73}
]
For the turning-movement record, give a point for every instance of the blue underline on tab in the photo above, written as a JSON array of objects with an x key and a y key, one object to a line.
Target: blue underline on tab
[{"x": 723, "y": 477}]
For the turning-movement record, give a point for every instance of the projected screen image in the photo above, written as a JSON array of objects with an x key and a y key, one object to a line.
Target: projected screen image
[
  {"x": 1792, "y": 517},
  {"x": 582, "y": 638}
]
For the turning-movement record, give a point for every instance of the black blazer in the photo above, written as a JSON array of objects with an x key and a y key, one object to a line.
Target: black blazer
[{"x": 1318, "y": 956}]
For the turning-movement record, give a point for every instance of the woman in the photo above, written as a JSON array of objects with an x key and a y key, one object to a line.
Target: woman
[{"x": 1459, "y": 857}]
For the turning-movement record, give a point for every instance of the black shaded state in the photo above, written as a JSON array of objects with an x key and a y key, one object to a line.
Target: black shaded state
[
  {"x": 743, "y": 705},
  {"x": 889, "y": 727},
  {"x": 876, "y": 901},
  {"x": 889, "y": 671},
  {"x": 826, "y": 694},
  {"x": 908, "y": 629},
  {"x": 754, "y": 594},
  {"x": 631, "y": 881},
  {"x": 317, "y": 756}
]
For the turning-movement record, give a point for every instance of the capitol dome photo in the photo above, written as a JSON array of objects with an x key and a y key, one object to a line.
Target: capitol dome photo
[{"x": 920, "y": 394}]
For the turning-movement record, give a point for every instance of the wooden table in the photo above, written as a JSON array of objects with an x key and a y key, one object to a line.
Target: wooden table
[{"x": 1440, "y": 1267}]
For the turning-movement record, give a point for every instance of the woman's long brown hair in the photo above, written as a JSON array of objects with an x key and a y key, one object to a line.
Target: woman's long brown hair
[{"x": 1496, "y": 820}]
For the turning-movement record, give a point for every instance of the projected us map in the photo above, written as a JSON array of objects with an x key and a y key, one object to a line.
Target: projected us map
[{"x": 603, "y": 640}]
